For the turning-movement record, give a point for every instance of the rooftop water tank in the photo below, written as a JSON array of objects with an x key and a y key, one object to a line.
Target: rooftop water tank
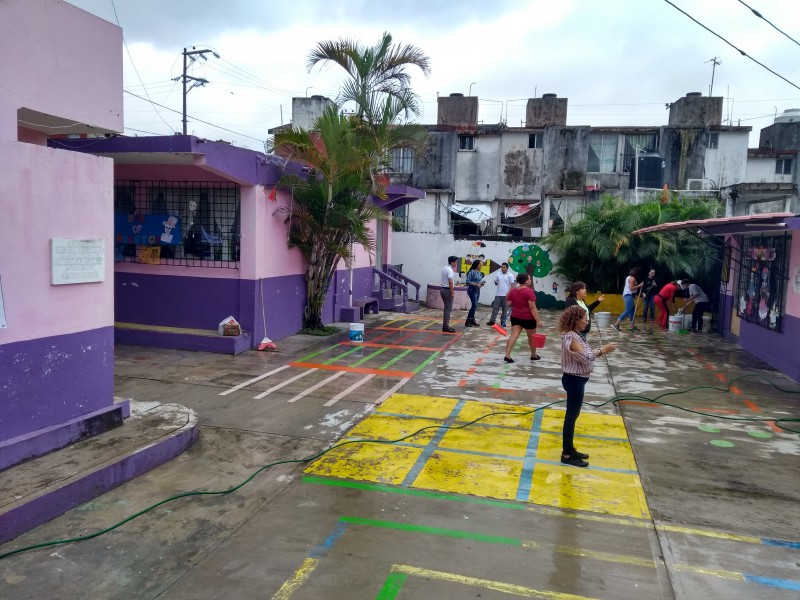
[
  {"x": 650, "y": 171},
  {"x": 790, "y": 115}
]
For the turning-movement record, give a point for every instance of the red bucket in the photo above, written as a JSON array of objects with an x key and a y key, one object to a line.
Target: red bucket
[{"x": 539, "y": 339}]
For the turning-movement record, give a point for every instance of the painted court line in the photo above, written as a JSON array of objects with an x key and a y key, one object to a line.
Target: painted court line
[
  {"x": 315, "y": 387},
  {"x": 353, "y": 387},
  {"x": 364, "y": 370},
  {"x": 285, "y": 383},
  {"x": 393, "y": 389},
  {"x": 253, "y": 380}
]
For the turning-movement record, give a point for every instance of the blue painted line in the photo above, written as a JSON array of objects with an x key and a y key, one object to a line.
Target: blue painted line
[
  {"x": 322, "y": 549},
  {"x": 590, "y": 437},
  {"x": 529, "y": 462},
  {"x": 784, "y": 584},
  {"x": 462, "y": 451},
  {"x": 432, "y": 445},
  {"x": 590, "y": 467},
  {"x": 780, "y": 543}
]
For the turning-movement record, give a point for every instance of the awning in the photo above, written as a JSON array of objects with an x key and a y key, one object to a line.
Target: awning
[
  {"x": 398, "y": 196},
  {"x": 774, "y": 222},
  {"x": 477, "y": 212},
  {"x": 512, "y": 211}
]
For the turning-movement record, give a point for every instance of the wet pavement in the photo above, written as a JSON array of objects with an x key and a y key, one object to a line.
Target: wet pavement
[{"x": 695, "y": 500}]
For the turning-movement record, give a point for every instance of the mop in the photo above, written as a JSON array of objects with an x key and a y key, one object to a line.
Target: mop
[
  {"x": 682, "y": 313},
  {"x": 266, "y": 343}
]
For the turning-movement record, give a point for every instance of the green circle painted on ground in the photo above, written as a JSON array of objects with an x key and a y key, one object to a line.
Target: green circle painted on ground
[
  {"x": 722, "y": 443},
  {"x": 708, "y": 428},
  {"x": 759, "y": 434}
]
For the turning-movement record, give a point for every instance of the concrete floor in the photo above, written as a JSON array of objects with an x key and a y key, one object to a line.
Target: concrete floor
[{"x": 676, "y": 504}]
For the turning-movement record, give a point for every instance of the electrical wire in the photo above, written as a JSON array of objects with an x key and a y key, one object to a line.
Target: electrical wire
[
  {"x": 780, "y": 422},
  {"x": 760, "y": 16},
  {"x": 739, "y": 50}
]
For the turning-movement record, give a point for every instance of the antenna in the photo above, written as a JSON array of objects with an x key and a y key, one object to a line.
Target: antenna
[{"x": 714, "y": 62}]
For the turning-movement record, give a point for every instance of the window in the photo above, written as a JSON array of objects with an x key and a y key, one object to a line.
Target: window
[
  {"x": 466, "y": 142},
  {"x": 400, "y": 219},
  {"x": 713, "y": 141},
  {"x": 602, "y": 153},
  {"x": 762, "y": 276},
  {"x": 402, "y": 160},
  {"x": 188, "y": 223},
  {"x": 642, "y": 141},
  {"x": 783, "y": 166},
  {"x": 535, "y": 140}
]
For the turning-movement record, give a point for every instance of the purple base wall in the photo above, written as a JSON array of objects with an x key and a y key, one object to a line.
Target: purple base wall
[
  {"x": 49, "y": 381},
  {"x": 773, "y": 347}
]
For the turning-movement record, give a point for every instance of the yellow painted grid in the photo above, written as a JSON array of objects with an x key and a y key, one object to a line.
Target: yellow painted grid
[{"x": 505, "y": 456}]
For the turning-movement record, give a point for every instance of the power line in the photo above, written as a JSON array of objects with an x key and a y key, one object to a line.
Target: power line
[
  {"x": 739, "y": 50},
  {"x": 760, "y": 16},
  {"x": 193, "y": 118}
]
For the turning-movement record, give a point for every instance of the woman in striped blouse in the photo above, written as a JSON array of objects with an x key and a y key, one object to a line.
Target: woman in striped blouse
[{"x": 577, "y": 363}]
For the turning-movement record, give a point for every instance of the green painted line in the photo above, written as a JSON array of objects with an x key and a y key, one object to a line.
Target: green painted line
[
  {"x": 338, "y": 356},
  {"x": 393, "y": 584},
  {"x": 313, "y": 354},
  {"x": 377, "y": 487},
  {"x": 366, "y": 358},
  {"x": 426, "y": 363},
  {"x": 440, "y": 531},
  {"x": 394, "y": 360}
]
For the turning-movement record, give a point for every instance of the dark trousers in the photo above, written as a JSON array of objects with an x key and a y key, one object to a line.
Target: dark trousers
[
  {"x": 649, "y": 307},
  {"x": 447, "y": 300},
  {"x": 697, "y": 315},
  {"x": 574, "y": 387},
  {"x": 473, "y": 293}
]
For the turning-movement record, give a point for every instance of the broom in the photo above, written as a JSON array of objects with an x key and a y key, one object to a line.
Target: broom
[{"x": 266, "y": 343}]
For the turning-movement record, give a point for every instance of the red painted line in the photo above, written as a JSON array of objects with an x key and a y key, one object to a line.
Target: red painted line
[
  {"x": 374, "y": 345},
  {"x": 721, "y": 377},
  {"x": 774, "y": 427},
  {"x": 752, "y": 405},
  {"x": 709, "y": 367},
  {"x": 403, "y": 329},
  {"x": 462, "y": 383},
  {"x": 637, "y": 403},
  {"x": 722, "y": 411},
  {"x": 500, "y": 390},
  {"x": 487, "y": 351},
  {"x": 479, "y": 360},
  {"x": 382, "y": 336},
  {"x": 471, "y": 370},
  {"x": 736, "y": 390},
  {"x": 363, "y": 370}
]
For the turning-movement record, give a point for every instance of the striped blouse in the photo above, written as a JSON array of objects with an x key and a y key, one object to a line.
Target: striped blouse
[{"x": 576, "y": 363}]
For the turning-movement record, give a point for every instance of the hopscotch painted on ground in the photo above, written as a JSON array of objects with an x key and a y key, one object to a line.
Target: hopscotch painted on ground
[{"x": 398, "y": 349}]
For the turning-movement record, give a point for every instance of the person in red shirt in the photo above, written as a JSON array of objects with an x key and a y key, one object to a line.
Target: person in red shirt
[
  {"x": 665, "y": 302},
  {"x": 524, "y": 314}
]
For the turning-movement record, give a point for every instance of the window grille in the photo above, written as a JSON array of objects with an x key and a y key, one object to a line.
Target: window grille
[
  {"x": 186, "y": 223},
  {"x": 402, "y": 160},
  {"x": 762, "y": 281},
  {"x": 466, "y": 142}
]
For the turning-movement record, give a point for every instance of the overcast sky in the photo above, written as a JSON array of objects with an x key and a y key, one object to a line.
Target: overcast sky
[{"x": 618, "y": 61}]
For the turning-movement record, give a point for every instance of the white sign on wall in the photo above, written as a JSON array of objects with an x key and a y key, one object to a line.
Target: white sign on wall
[
  {"x": 77, "y": 261},
  {"x": 3, "y": 323}
]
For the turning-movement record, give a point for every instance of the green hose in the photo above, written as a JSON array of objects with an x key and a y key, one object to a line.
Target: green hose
[{"x": 616, "y": 399}]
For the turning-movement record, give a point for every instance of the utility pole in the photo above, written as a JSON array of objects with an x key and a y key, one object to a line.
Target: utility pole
[
  {"x": 189, "y": 56},
  {"x": 714, "y": 62}
]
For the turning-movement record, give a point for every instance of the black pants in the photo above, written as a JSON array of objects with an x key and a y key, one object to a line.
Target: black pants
[
  {"x": 574, "y": 387},
  {"x": 697, "y": 314}
]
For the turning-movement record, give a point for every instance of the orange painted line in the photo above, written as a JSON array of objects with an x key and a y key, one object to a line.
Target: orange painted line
[
  {"x": 736, "y": 390},
  {"x": 462, "y": 383},
  {"x": 500, "y": 390},
  {"x": 710, "y": 367},
  {"x": 722, "y": 411},
  {"x": 364, "y": 370},
  {"x": 721, "y": 377},
  {"x": 471, "y": 370},
  {"x": 774, "y": 427},
  {"x": 637, "y": 403},
  {"x": 487, "y": 350},
  {"x": 403, "y": 329},
  {"x": 752, "y": 405},
  {"x": 374, "y": 345},
  {"x": 479, "y": 361}
]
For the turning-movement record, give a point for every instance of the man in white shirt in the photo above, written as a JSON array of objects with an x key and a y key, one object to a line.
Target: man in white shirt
[
  {"x": 448, "y": 291},
  {"x": 504, "y": 281}
]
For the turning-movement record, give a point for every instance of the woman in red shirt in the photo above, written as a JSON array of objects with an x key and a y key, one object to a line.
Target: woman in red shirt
[
  {"x": 665, "y": 302},
  {"x": 524, "y": 314}
]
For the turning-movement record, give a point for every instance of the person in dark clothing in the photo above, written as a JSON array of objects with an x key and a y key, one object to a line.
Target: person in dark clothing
[
  {"x": 648, "y": 295},
  {"x": 577, "y": 297}
]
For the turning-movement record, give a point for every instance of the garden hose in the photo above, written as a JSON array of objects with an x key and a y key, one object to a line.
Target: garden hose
[{"x": 780, "y": 422}]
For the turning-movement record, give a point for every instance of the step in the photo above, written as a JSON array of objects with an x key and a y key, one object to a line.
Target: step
[{"x": 180, "y": 338}]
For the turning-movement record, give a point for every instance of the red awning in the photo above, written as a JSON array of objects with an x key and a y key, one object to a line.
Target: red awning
[{"x": 731, "y": 225}]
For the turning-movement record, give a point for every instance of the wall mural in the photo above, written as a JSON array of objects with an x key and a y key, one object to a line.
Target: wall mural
[{"x": 761, "y": 283}]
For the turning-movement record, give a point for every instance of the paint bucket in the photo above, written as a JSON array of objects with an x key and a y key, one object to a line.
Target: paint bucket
[
  {"x": 538, "y": 340},
  {"x": 356, "y": 332},
  {"x": 706, "y": 323},
  {"x": 675, "y": 323},
  {"x": 603, "y": 319}
]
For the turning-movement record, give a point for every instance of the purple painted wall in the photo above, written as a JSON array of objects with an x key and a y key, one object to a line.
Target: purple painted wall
[
  {"x": 777, "y": 349},
  {"x": 50, "y": 380}
]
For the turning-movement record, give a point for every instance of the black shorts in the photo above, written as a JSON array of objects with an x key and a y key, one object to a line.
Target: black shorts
[{"x": 527, "y": 324}]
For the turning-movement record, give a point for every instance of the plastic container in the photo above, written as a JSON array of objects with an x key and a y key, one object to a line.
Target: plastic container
[
  {"x": 706, "y": 323},
  {"x": 675, "y": 322},
  {"x": 357, "y": 332},
  {"x": 603, "y": 319},
  {"x": 539, "y": 339}
]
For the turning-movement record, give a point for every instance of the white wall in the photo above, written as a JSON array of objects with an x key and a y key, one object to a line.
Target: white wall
[
  {"x": 478, "y": 172},
  {"x": 422, "y": 214},
  {"x": 762, "y": 170},
  {"x": 727, "y": 164},
  {"x": 423, "y": 255}
]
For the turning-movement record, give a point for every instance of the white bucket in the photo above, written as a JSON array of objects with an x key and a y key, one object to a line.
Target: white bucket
[
  {"x": 675, "y": 322},
  {"x": 706, "y": 323},
  {"x": 603, "y": 318},
  {"x": 356, "y": 332}
]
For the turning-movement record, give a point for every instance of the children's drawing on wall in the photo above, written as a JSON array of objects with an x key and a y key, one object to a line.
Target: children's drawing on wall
[
  {"x": 759, "y": 298},
  {"x": 535, "y": 261}
]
